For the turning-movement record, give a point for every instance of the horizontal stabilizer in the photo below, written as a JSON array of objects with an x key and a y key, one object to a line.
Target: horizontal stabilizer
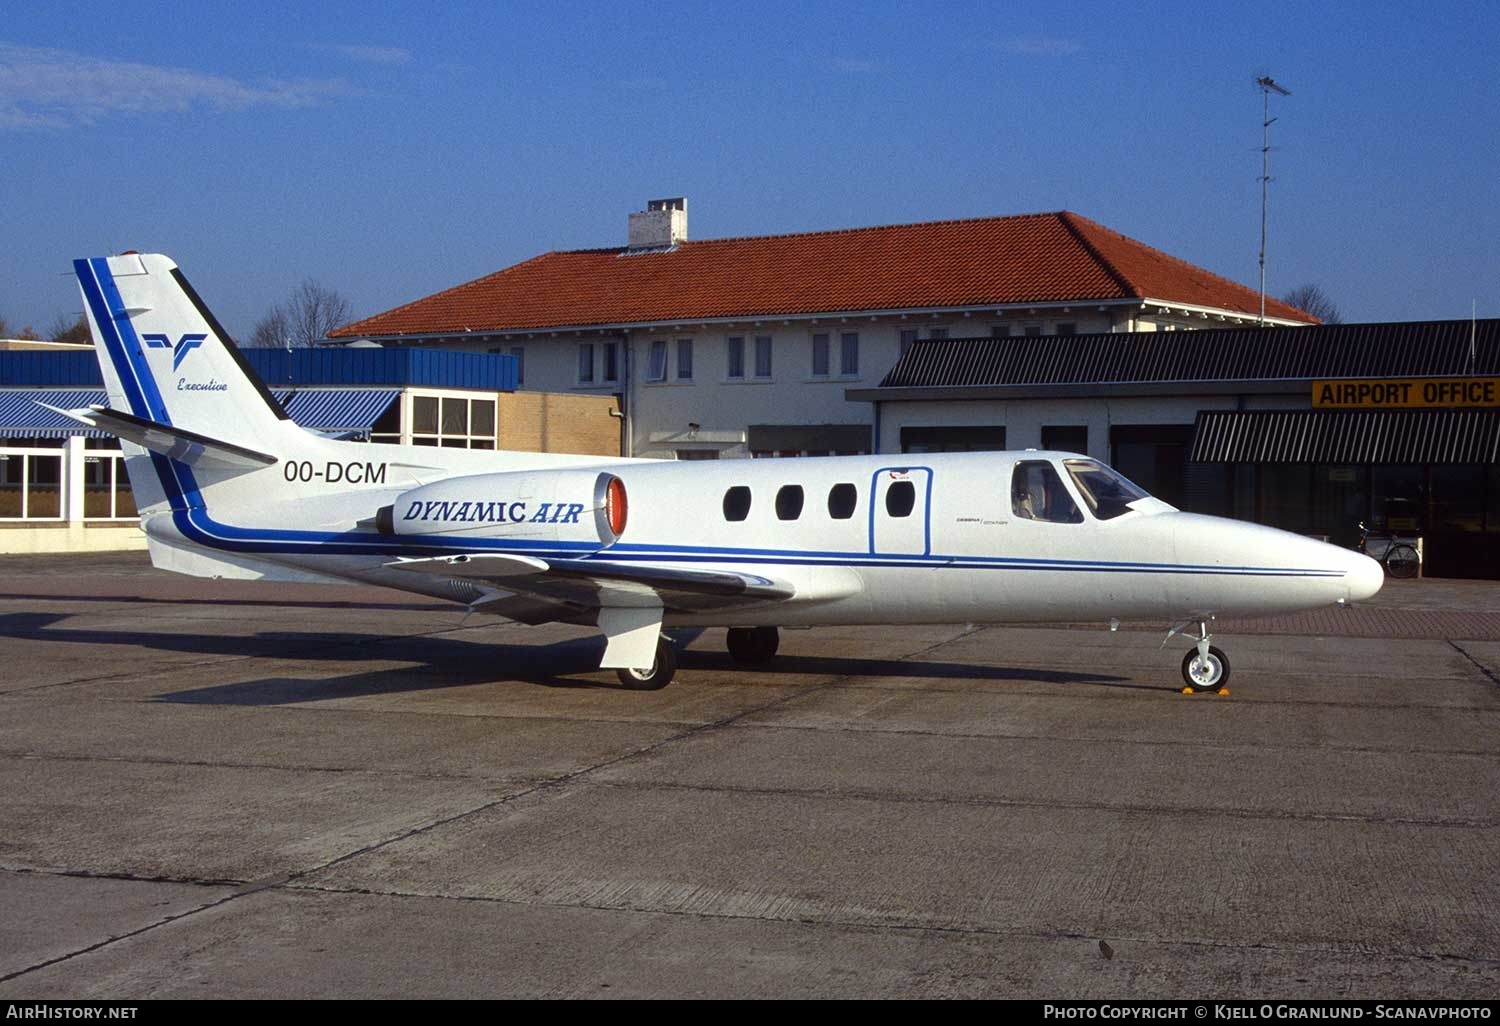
[{"x": 184, "y": 446}]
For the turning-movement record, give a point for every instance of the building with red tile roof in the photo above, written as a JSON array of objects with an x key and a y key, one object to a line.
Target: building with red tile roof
[
  {"x": 1024, "y": 260},
  {"x": 665, "y": 321}
]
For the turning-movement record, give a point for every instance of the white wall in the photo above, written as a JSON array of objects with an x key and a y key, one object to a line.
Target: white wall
[{"x": 723, "y": 407}]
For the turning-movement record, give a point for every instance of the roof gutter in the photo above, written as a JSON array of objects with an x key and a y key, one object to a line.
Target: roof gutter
[
  {"x": 1079, "y": 390},
  {"x": 682, "y": 323}
]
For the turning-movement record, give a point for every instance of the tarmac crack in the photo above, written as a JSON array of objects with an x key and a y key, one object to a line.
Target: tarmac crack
[
  {"x": 552, "y": 783},
  {"x": 117, "y": 938},
  {"x": 838, "y": 794},
  {"x": 914, "y": 927},
  {"x": 1488, "y": 673},
  {"x": 1259, "y": 749}
]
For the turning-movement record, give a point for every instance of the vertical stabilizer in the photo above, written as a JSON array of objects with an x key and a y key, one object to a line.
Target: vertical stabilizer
[{"x": 165, "y": 357}]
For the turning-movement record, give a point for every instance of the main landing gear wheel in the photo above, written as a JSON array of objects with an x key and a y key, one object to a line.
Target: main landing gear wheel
[
  {"x": 658, "y": 675},
  {"x": 1205, "y": 673},
  {"x": 752, "y": 644}
]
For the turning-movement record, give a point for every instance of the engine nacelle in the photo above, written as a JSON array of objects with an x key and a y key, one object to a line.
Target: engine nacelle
[{"x": 551, "y": 505}]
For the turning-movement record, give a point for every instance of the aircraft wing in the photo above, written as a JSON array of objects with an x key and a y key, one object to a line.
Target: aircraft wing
[{"x": 601, "y": 583}]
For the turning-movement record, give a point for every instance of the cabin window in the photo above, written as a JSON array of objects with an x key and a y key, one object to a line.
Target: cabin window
[
  {"x": 842, "y": 498},
  {"x": 1037, "y": 493},
  {"x": 789, "y": 502},
  {"x": 1108, "y": 493},
  {"x": 737, "y": 503},
  {"x": 901, "y": 499}
]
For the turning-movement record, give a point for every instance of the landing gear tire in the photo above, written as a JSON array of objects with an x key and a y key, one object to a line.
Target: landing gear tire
[
  {"x": 752, "y": 644},
  {"x": 658, "y": 675},
  {"x": 1208, "y": 674}
]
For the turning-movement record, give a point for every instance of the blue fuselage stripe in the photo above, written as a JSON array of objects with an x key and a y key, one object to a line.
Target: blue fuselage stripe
[
  {"x": 128, "y": 357},
  {"x": 197, "y": 525}
]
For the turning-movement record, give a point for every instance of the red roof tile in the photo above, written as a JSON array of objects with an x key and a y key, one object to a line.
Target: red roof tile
[{"x": 1032, "y": 258}]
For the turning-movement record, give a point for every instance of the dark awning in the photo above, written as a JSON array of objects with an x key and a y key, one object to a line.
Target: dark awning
[
  {"x": 809, "y": 437},
  {"x": 1347, "y": 436}
]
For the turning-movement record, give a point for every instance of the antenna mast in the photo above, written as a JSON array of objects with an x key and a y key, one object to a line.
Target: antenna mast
[{"x": 1267, "y": 86}]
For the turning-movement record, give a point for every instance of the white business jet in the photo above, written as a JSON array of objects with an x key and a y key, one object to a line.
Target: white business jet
[{"x": 228, "y": 486}]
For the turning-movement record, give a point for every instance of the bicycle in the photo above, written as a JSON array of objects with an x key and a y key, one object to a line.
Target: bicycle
[{"x": 1400, "y": 559}]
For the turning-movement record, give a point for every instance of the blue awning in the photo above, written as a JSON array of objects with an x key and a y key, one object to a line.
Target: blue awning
[
  {"x": 21, "y": 417},
  {"x": 336, "y": 409}
]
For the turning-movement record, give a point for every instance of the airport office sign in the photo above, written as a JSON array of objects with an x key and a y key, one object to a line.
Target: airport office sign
[{"x": 1405, "y": 393}]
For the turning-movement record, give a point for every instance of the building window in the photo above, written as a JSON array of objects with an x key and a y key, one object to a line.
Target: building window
[
  {"x": 849, "y": 353},
  {"x": 611, "y": 361},
  {"x": 763, "y": 356},
  {"x": 656, "y": 366},
  {"x": 1032, "y": 330},
  {"x": 734, "y": 351},
  {"x": 908, "y": 336},
  {"x": 697, "y": 454},
  {"x": 586, "y": 363},
  {"x": 1067, "y": 328},
  {"x": 31, "y": 481},
  {"x": 1066, "y": 438},
  {"x": 938, "y": 333},
  {"x": 789, "y": 502},
  {"x": 970, "y": 438},
  {"x": 820, "y": 356},
  {"x": 453, "y": 422},
  {"x": 685, "y": 360},
  {"x": 1000, "y": 331}
]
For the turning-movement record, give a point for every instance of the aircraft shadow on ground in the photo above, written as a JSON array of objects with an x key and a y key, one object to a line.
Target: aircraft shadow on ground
[
  {"x": 448, "y": 662},
  {"x": 433, "y": 606}
]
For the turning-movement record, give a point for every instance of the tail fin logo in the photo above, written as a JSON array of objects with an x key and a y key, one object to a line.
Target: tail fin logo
[{"x": 184, "y": 345}]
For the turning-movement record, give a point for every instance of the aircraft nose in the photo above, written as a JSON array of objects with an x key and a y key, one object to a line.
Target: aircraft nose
[{"x": 1364, "y": 577}]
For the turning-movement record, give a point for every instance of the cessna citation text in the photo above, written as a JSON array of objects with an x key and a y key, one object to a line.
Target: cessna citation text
[{"x": 228, "y": 486}]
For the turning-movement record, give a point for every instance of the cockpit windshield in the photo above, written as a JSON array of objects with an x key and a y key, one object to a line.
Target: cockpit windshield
[{"x": 1108, "y": 494}]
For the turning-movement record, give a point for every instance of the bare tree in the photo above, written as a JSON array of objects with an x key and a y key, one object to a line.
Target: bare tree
[
  {"x": 72, "y": 330},
  {"x": 1315, "y": 301},
  {"x": 28, "y": 333},
  {"x": 307, "y": 316},
  {"x": 273, "y": 331}
]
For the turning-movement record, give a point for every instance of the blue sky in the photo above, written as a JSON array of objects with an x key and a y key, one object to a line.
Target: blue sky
[{"x": 389, "y": 153}]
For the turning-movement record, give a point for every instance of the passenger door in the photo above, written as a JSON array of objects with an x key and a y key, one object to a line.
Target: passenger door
[{"x": 900, "y": 511}]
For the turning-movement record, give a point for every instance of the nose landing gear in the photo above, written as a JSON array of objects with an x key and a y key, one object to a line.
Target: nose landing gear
[{"x": 1204, "y": 667}]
